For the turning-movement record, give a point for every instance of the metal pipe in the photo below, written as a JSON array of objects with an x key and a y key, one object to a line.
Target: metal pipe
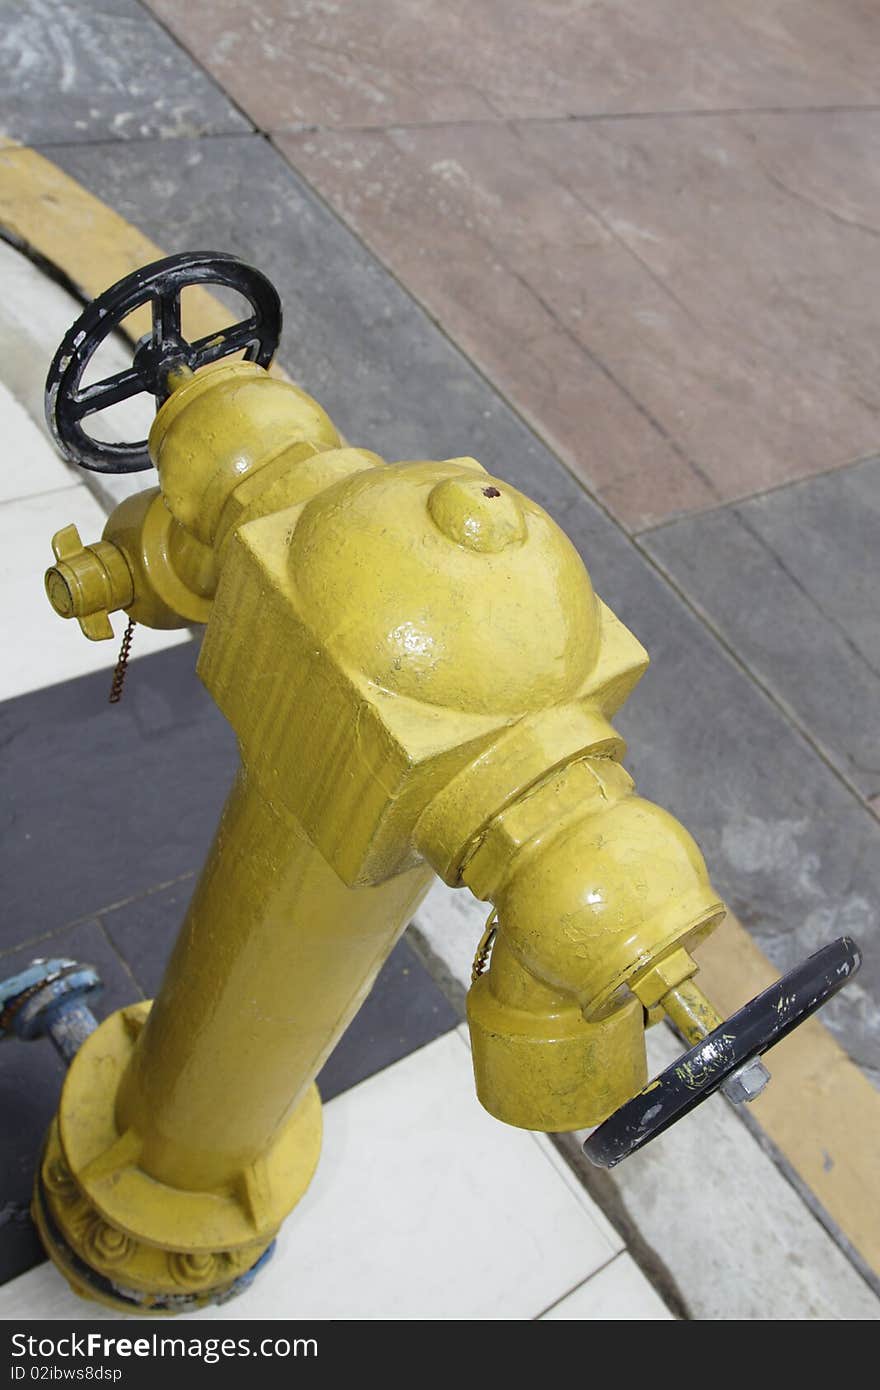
[{"x": 274, "y": 958}]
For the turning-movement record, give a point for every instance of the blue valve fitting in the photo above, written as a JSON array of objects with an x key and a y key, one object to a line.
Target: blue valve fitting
[{"x": 48, "y": 999}]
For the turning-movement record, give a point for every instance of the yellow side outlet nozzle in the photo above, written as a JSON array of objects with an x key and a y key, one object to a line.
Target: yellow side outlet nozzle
[{"x": 88, "y": 583}]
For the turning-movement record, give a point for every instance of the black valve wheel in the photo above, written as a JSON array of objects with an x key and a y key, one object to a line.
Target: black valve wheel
[
  {"x": 748, "y": 1033},
  {"x": 163, "y": 350}
]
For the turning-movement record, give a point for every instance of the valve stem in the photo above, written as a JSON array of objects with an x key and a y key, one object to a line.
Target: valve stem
[
  {"x": 694, "y": 1018},
  {"x": 122, "y": 664}
]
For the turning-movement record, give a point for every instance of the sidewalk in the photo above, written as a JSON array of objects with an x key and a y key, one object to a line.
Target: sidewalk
[{"x": 649, "y": 267}]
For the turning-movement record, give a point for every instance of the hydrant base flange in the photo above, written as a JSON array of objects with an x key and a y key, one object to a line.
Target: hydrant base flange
[
  {"x": 161, "y": 1248},
  {"x": 87, "y": 1283}
]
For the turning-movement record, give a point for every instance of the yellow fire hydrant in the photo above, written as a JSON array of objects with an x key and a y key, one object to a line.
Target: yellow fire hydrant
[{"x": 421, "y": 679}]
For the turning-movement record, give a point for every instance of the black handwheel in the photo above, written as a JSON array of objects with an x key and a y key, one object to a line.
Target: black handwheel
[
  {"x": 745, "y": 1035},
  {"x": 161, "y": 351}
]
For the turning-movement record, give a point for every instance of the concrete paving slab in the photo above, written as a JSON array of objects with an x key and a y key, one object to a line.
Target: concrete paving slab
[
  {"x": 730, "y": 1228},
  {"x": 684, "y": 309},
  {"x": 397, "y": 61},
  {"x": 790, "y": 580},
  {"x": 618, "y": 1291},
  {"x": 87, "y": 72}
]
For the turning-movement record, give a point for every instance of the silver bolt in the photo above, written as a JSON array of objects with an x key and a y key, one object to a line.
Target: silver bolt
[{"x": 747, "y": 1082}]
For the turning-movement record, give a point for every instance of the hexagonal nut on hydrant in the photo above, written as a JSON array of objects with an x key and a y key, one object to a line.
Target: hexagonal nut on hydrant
[
  {"x": 664, "y": 975},
  {"x": 746, "y": 1083}
]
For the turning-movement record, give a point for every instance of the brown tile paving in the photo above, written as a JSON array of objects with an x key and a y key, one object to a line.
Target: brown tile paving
[
  {"x": 464, "y": 228},
  {"x": 686, "y": 309},
  {"x": 391, "y": 62},
  {"x": 681, "y": 306}
]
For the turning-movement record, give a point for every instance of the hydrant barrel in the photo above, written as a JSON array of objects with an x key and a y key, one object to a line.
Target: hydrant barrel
[{"x": 274, "y": 958}]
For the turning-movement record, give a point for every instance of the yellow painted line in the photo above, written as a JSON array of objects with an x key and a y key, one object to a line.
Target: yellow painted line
[
  {"x": 55, "y": 216},
  {"x": 821, "y": 1113}
]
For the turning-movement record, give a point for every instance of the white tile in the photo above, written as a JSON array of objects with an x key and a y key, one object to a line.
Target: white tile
[
  {"x": 619, "y": 1293},
  {"x": 28, "y": 461},
  {"x": 38, "y": 647},
  {"x": 423, "y": 1206},
  {"x": 450, "y": 923},
  {"x": 35, "y": 314},
  {"x": 40, "y": 493},
  {"x": 554, "y": 1157}
]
